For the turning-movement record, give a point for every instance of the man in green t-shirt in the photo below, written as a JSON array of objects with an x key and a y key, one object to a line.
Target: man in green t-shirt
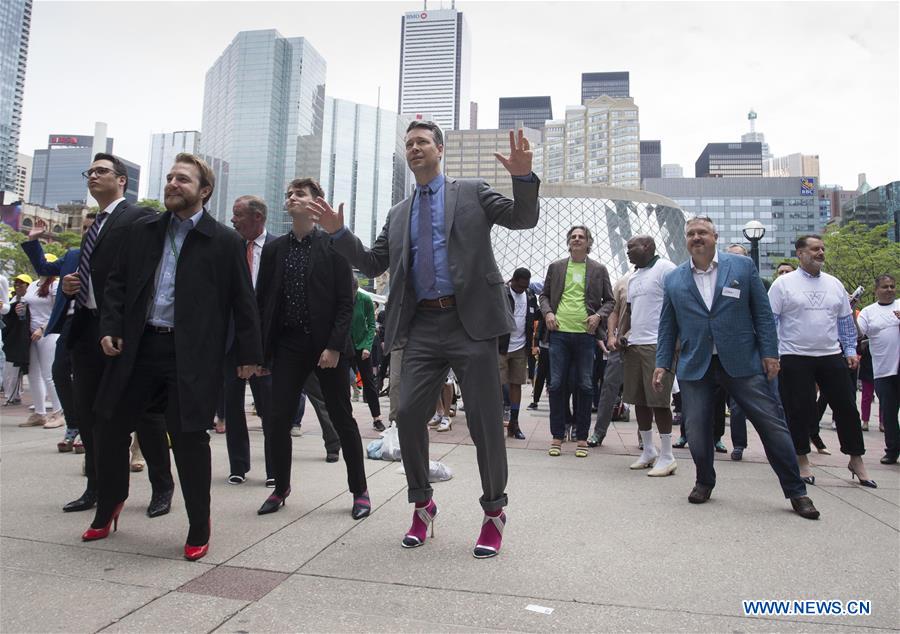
[{"x": 577, "y": 297}]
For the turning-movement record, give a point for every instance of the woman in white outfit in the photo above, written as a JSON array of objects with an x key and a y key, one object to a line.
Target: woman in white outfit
[{"x": 39, "y": 297}]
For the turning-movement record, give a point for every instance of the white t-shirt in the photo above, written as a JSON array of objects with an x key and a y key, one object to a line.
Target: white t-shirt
[
  {"x": 645, "y": 294},
  {"x": 517, "y": 336},
  {"x": 883, "y": 328},
  {"x": 807, "y": 309},
  {"x": 40, "y": 307}
]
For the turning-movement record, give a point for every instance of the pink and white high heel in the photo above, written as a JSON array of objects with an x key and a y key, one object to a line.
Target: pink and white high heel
[
  {"x": 423, "y": 518},
  {"x": 491, "y": 537}
]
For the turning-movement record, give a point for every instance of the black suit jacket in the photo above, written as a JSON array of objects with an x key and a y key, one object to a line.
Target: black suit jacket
[
  {"x": 329, "y": 294},
  {"x": 229, "y": 340},
  {"x": 103, "y": 258},
  {"x": 212, "y": 282}
]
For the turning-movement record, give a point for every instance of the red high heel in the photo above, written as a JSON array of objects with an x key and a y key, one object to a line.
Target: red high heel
[
  {"x": 193, "y": 553},
  {"x": 92, "y": 534}
]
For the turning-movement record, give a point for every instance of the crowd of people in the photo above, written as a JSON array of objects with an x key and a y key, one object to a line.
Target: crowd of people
[{"x": 152, "y": 329}]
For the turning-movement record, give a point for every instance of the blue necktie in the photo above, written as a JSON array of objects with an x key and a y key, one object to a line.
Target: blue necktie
[
  {"x": 84, "y": 261},
  {"x": 424, "y": 245}
]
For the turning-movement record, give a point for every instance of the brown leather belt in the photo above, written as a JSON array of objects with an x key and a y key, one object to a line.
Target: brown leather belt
[{"x": 441, "y": 302}]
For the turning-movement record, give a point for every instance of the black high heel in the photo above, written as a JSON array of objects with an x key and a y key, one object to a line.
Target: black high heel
[
  {"x": 865, "y": 483},
  {"x": 273, "y": 503}
]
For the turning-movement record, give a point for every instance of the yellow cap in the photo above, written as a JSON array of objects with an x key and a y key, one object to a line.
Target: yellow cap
[
  {"x": 49, "y": 257},
  {"x": 24, "y": 277}
]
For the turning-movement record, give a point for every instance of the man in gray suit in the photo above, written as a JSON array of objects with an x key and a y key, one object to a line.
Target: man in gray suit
[{"x": 446, "y": 309}]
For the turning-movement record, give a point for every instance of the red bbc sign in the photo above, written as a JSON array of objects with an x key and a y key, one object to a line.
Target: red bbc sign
[{"x": 64, "y": 140}]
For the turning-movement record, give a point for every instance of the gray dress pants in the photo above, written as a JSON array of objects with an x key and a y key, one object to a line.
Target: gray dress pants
[
  {"x": 317, "y": 400},
  {"x": 609, "y": 391},
  {"x": 437, "y": 343}
]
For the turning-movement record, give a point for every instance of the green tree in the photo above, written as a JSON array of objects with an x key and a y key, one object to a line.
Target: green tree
[
  {"x": 13, "y": 260},
  {"x": 152, "y": 203},
  {"x": 856, "y": 254}
]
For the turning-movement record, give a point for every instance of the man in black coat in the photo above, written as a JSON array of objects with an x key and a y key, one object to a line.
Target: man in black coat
[
  {"x": 179, "y": 277},
  {"x": 107, "y": 181}
]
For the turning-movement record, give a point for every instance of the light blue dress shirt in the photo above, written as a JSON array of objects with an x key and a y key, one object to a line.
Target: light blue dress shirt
[{"x": 162, "y": 309}]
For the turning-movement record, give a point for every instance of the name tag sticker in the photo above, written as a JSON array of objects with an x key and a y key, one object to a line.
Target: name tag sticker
[{"x": 731, "y": 292}]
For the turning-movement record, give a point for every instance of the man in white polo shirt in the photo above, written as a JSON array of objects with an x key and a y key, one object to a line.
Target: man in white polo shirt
[
  {"x": 815, "y": 323},
  {"x": 645, "y": 299}
]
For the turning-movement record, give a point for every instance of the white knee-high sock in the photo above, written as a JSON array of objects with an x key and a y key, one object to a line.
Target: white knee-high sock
[
  {"x": 665, "y": 449},
  {"x": 649, "y": 449}
]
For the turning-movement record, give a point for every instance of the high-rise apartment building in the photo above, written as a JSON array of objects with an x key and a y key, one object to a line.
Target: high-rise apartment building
[
  {"x": 473, "y": 115},
  {"x": 672, "y": 170},
  {"x": 56, "y": 171},
  {"x": 531, "y": 112},
  {"x": 651, "y": 159},
  {"x": 164, "y": 147},
  {"x": 727, "y": 160},
  {"x": 435, "y": 66},
  {"x": 787, "y": 207},
  {"x": 263, "y": 105},
  {"x": 470, "y": 154},
  {"x": 831, "y": 200},
  {"x": 597, "y": 143},
  {"x": 792, "y": 165},
  {"x": 23, "y": 176},
  {"x": 362, "y": 148},
  {"x": 594, "y": 85},
  {"x": 15, "y": 28}
]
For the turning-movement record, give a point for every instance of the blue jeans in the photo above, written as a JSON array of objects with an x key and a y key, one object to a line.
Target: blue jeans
[
  {"x": 754, "y": 395},
  {"x": 571, "y": 352}
]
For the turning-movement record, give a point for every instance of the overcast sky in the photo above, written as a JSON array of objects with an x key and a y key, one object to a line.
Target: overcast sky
[{"x": 824, "y": 78}]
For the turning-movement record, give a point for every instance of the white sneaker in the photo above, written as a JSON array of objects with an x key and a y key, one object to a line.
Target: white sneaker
[
  {"x": 435, "y": 421},
  {"x": 444, "y": 424}
]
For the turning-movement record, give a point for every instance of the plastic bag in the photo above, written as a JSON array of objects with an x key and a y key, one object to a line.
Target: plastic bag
[
  {"x": 437, "y": 471},
  {"x": 390, "y": 445},
  {"x": 374, "y": 449}
]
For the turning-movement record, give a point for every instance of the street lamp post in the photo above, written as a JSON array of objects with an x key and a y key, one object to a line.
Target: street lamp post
[{"x": 754, "y": 232}]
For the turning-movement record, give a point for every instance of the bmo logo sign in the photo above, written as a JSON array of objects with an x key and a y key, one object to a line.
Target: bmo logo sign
[{"x": 423, "y": 16}]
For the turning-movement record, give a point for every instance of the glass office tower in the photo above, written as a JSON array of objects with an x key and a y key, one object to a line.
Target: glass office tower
[
  {"x": 15, "y": 27},
  {"x": 361, "y": 148},
  {"x": 262, "y": 115}
]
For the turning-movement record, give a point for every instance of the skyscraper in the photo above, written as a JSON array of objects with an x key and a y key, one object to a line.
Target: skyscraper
[
  {"x": 164, "y": 147},
  {"x": 263, "y": 105},
  {"x": 362, "y": 146},
  {"x": 672, "y": 170},
  {"x": 15, "y": 27},
  {"x": 23, "y": 176},
  {"x": 434, "y": 66},
  {"x": 651, "y": 159},
  {"x": 726, "y": 160},
  {"x": 533, "y": 112},
  {"x": 470, "y": 154},
  {"x": 56, "y": 171},
  {"x": 594, "y": 85}
]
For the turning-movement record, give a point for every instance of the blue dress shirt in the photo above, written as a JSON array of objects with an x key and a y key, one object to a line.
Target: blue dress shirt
[
  {"x": 162, "y": 310},
  {"x": 443, "y": 284}
]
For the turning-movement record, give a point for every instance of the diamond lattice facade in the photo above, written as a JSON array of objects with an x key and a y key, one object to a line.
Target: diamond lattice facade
[{"x": 614, "y": 215}]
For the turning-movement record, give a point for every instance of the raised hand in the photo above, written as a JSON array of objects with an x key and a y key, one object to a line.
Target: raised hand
[
  {"x": 321, "y": 212},
  {"x": 518, "y": 163}
]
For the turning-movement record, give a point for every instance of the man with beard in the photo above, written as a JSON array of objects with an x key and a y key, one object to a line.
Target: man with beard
[
  {"x": 107, "y": 181},
  {"x": 179, "y": 277},
  {"x": 716, "y": 305}
]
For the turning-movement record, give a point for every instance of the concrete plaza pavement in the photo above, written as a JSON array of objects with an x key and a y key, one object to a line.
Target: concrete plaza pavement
[{"x": 605, "y": 548}]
